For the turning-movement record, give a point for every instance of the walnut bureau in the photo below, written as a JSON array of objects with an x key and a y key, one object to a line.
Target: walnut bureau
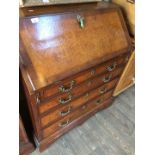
[{"x": 70, "y": 63}]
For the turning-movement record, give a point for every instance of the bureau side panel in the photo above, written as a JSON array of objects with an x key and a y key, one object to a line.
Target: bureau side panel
[{"x": 33, "y": 109}]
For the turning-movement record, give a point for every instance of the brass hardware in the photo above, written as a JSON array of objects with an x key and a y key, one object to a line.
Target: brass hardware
[
  {"x": 63, "y": 101},
  {"x": 67, "y": 89},
  {"x": 107, "y": 79},
  {"x": 112, "y": 67},
  {"x": 99, "y": 101},
  {"x": 64, "y": 113},
  {"x": 80, "y": 19},
  {"x": 102, "y": 90},
  {"x": 63, "y": 124},
  {"x": 93, "y": 71},
  {"x": 83, "y": 107}
]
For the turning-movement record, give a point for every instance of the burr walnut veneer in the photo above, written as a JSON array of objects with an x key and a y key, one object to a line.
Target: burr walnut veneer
[{"x": 70, "y": 64}]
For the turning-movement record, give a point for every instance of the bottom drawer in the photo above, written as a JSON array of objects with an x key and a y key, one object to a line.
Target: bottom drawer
[{"x": 86, "y": 108}]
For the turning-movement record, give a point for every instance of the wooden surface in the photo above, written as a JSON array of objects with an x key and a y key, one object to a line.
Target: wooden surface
[
  {"x": 45, "y": 108},
  {"x": 55, "y": 116},
  {"x": 109, "y": 132},
  {"x": 85, "y": 77},
  {"x": 129, "y": 12},
  {"x": 52, "y": 128},
  {"x": 50, "y": 51},
  {"x": 128, "y": 76},
  {"x": 54, "y": 53}
]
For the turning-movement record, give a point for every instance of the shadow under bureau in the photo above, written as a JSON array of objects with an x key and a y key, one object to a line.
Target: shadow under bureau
[{"x": 70, "y": 63}]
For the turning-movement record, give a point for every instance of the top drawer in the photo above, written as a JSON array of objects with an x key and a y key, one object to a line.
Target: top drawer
[{"x": 69, "y": 83}]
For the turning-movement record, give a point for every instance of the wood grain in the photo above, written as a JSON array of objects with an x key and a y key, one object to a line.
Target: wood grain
[
  {"x": 46, "y": 108},
  {"x": 80, "y": 90},
  {"x": 55, "y": 116},
  {"x": 82, "y": 77},
  {"x": 51, "y": 51},
  {"x": 54, "y": 49}
]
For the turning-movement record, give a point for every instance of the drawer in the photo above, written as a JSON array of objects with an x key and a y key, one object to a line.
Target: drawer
[
  {"x": 83, "y": 110},
  {"x": 81, "y": 89},
  {"x": 70, "y": 83},
  {"x": 66, "y": 110}
]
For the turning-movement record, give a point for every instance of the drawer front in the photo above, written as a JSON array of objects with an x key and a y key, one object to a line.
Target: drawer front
[
  {"x": 66, "y": 110},
  {"x": 70, "y": 83},
  {"x": 81, "y": 89},
  {"x": 83, "y": 110}
]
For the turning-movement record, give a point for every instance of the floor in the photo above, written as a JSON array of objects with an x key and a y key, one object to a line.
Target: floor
[{"x": 109, "y": 132}]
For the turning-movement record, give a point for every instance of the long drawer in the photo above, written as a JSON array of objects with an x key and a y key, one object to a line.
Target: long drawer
[
  {"x": 62, "y": 111},
  {"x": 81, "y": 89},
  {"x": 84, "y": 109},
  {"x": 70, "y": 83}
]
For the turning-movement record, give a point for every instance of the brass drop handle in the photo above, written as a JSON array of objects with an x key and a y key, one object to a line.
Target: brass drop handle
[
  {"x": 63, "y": 124},
  {"x": 67, "y": 89},
  {"x": 99, "y": 101},
  {"x": 80, "y": 19},
  {"x": 102, "y": 90},
  {"x": 111, "y": 67},
  {"x": 107, "y": 79},
  {"x": 63, "y": 101},
  {"x": 64, "y": 113}
]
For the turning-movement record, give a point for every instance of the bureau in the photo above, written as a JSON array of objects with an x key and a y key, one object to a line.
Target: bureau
[{"x": 70, "y": 63}]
